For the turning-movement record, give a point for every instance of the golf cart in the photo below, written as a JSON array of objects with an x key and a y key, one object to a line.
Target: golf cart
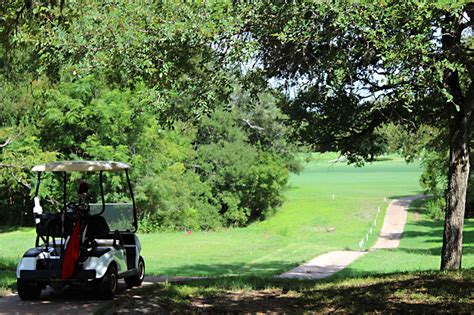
[{"x": 86, "y": 242}]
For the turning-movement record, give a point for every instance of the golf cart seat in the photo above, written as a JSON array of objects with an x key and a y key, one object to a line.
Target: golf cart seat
[
  {"x": 97, "y": 227},
  {"x": 98, "y": 232}
]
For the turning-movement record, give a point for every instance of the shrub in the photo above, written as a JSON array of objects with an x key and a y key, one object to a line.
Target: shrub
[
  {"x": 187, "y": 175},
  {"x": 246, "y": 181},
  {"x": 433, "y": 179},
  {"x": 435, "y": 208}
]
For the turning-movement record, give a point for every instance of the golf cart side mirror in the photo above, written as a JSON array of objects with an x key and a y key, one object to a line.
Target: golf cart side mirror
[{"x": 37, "y": 210}]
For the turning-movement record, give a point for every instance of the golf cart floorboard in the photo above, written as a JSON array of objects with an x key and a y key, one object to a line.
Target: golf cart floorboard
[{"x": 51, "y": 275}]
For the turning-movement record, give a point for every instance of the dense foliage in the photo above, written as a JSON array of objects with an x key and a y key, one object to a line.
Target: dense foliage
[
  {"x": 185, "y": 92},
  {"x": 144, "y": 84}
]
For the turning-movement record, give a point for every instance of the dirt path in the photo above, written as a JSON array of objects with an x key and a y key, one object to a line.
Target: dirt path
[
  {"x": 71, "y": 300},
  {"x": 327, "y": 264},
  {"x": 394, "y": 223}
]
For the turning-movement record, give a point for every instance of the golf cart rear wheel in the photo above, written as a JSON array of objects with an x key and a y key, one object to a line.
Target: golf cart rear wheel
[
  {"x": 107, "y": 285},
  {"x": 136, "y": 280},
  {"x": 28, "y": 290}
]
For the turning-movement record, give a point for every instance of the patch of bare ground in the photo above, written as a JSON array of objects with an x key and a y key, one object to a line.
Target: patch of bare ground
[{"x": 427, "y": 292}]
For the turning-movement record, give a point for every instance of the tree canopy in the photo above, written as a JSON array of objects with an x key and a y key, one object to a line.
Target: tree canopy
[
  {"x": 138, "y": 82},
  {"x": 358, "y": 66}
]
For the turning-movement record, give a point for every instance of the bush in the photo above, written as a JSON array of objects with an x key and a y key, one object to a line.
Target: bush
[
  {"x": 434, "y": 179},
  {"x": 175, "y": 199},
  {"x": 435, "y": 208},
  {"x": 246, "y": 181}
]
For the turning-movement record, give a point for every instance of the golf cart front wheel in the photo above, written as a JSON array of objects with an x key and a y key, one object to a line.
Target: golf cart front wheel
[
  {"x": 28, "y": 290},
  {"x": 136, "y": 280},
  {"x": 107, "y": 285}
]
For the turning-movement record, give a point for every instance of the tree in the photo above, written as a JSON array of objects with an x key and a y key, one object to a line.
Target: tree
[
  {"x": 167, "y": 46},
  {"x": 139, "y": 82},
  {"x": 358, "y": 66}
]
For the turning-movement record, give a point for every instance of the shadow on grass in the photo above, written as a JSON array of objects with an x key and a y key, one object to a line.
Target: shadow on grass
[
  {"x": 8, "y": 228},
  {"x": 425, "y": 292},
  {"x": 266, "y": 269},
  {"x": 435, "y": 251},
  {"x": 435, "y": 227}
]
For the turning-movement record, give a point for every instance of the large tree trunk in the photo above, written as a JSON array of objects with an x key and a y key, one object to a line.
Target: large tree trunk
[
  {"x": 459, "y": 110},
  {"x": 459, "y": 133},
  {"x": 455, "y": 200}
]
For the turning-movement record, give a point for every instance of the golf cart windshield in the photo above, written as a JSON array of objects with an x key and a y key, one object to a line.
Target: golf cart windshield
[
  {"x": 101, "y": 187},
  {"x": 119, "y": 216}
]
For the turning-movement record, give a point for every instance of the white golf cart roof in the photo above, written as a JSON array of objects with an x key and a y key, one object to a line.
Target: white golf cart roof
[{"x": 80, "y": 166}]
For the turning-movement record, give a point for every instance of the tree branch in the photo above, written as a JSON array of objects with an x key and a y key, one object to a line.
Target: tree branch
[
  {"x": 247, "y": 121},
  {"x": 19, "y": 181},
  {"x": 9, "y": 140}
]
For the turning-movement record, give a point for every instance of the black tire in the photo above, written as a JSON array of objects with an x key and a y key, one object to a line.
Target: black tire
[
  {"x": 28, "y": 290},
  {"x": 107, "y": 286},
  {"x": 136, "y": 280}
]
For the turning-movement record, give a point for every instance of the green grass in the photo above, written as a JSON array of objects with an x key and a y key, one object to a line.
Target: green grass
[
  {"x": 298, "y": 231},
  {"x": 324, "y": 196},
  {"x": 420, "y": 248},
  {"x": 13, "y": 244}
]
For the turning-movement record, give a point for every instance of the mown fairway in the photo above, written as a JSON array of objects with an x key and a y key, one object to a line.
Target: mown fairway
[
  {"x": 299, "y": 231},
  {"x": 324, "y": 196}
]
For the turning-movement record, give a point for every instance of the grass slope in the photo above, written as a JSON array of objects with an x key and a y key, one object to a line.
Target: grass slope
[{"x": 324, "y": 196}]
